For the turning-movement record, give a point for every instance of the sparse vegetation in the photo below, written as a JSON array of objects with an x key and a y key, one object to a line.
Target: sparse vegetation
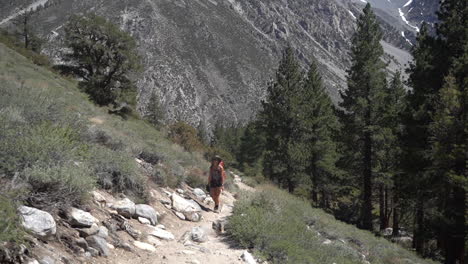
[{"x": 281, "y": 228}]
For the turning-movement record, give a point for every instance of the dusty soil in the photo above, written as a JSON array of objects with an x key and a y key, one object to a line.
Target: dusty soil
[{"x": 217, "y": 249}]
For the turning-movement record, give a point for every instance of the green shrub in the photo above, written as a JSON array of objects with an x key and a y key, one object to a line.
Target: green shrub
[
  {"x": 58, "y": 186},
  {"x": 197, "y": 178},
  {"x": 116, "y": 170},
  {"x": 12, "y": 42},
  {"x": 284, "y": 229},
  {"x": 10, "y": 227},
  {"x": 185, "y": 135}
]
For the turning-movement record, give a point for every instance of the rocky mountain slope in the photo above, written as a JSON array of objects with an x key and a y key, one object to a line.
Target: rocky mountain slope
[{"x": 210, "y": 60}]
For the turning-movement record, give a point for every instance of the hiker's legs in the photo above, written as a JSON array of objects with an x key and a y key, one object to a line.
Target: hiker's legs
[{"x": 215, "y": 193}]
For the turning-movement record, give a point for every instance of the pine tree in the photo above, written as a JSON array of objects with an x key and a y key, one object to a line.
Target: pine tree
[
  {"x": 449, "y": 135},
  {"x": 277, "y": 122},
  {"x": 155, "y": 112},
  {"x": 390, "y": 151},
  {"x": 362, "y": 102},
  {"x": 319, "y": 125}
]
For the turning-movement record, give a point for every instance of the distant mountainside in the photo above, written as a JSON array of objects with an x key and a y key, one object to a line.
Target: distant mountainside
[{"x": 210, "y": 60}]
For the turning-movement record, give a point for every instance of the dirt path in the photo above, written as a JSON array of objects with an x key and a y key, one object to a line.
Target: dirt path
[{"x": 215, "y": 250}]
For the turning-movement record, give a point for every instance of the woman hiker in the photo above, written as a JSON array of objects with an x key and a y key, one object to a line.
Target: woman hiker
[{"x": 216, "y": 180}]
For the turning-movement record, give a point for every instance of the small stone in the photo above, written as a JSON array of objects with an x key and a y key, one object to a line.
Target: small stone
[
  {"x": 180, "y": 191},
  {"x": 193, "y": 261},
  {"x": 199, "y": 193},
  {"x": 32, "y": 261},
  {"x": 86, "y": 232},
  {"x": 103, "y": 232},
  {"x": 80, "y": 218},
  {"x": 165, "y": 201},
  {"x": 180, "y": 215},
  {"x": 161, "y": 226},
  {"x": 144, "y": 246},
  {"x": 47, "y": 260},
  {"x": 94, "y": 252},
  {"x": 198, "y": 235},
  {"x": 144, "y": 221},
  {"x": 98, "y": 197},
  {"x": 110, "y": 246},
  {"x": 248, "y": 258},
  {"x": 154, "y": 241},
  {"x": 81, "y": 242},
  {"x": 168, "y": 206},
  {"x": 146, "y": 211},
  {"x": 327, "y": 242},
  {"x": 188, "y": 252},
  {"x": 125, "y": 207},
  {"x": 192, "y": 216},
  {"x": 163, "y": 234},
  {"x": 208, "y": 200},
  {"x": 98, "y": 243}
]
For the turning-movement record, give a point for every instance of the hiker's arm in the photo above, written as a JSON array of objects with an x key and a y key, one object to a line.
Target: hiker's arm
[{"x": 223, "y": 176}]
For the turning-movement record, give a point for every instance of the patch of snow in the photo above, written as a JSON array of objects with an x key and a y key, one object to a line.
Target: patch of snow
[
  {"x": 31, "y": 7},
  {"x": 352, "y": 15},
  {"x": 402, "y": 15},
  {"x": 408, "y": 3},
  {"x": 407, "y": 40}
]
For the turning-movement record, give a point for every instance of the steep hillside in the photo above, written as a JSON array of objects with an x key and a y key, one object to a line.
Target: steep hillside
[
  {"x": 210, "y": 60},
  {"x": 80, "y": 171}
]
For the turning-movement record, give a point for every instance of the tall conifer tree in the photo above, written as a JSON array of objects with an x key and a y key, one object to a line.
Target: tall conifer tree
[{"x": 362, "y": 102}]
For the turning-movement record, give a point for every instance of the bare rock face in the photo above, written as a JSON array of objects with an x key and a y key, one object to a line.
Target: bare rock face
[
  {"x": 37, "y": 222},
  {"x": 209, "y": 60}
]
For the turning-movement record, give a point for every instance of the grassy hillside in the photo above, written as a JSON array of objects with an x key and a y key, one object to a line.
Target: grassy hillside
[
  {"x": 55, "y": 145},
  {"x": 281, "y": 228}
]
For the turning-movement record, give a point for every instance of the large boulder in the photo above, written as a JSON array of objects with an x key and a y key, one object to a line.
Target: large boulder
[
  {"x": 37, "y": 222},
  {"x": 146, "y": 211},
  {"x": 100, "y": 244},
  {"x": 124, "y": 207},
  {"x": 182, "y": 205},
  {"x": 80, "y": 218}
]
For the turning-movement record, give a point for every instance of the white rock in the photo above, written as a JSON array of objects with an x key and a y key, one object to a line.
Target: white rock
[
  {"x": 98, "y": 197},
  {"x": 33, "y": 261},
  {"x": 180, "y": 191},
  {"x": 248, "y": 258},
  {"x": 144, "y": 221},
  {"x": 182, "y": 205},
  {"x": 38, "y": 222},
  {"x": 144, "y": 246},
  {"x": 146, "y": 211},
  {"x": 192, "y": 216},
  {"x": 80, "y": 218},
  {"x": 193, "y": 261},
  {"x": 208, "y": 200},
  {"x": 153, "y": 241},
  {"x": 327, "y": 242},
  {"x": 197, "y": 234},
  {"x": 199, "y": 193},
  {"x": 103, "y": 232},
  {"x": 163, "y": 234},
  {"x": 188, "y": 252},
  {"x": 180, "y": 215},
  {"x": 110, "y": 246},
  {"x": 124, "y": 207},
  {"x": 167, "y": 193},
  {"x": 161, "y": 226}
]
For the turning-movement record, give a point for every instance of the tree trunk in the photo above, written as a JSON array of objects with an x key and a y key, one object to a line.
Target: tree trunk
[
  {"x": 382, "y": 208},
  {"x": 314, "y": 184},
  {"x": 419, "y": 233},
  {"x": 455, "y": 244},
  {"x": 367, "y": 188},
  {"x": 396, "y": 212}
]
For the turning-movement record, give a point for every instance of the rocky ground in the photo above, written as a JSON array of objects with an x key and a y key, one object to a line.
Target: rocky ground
[{"x": 176, "y": 226}]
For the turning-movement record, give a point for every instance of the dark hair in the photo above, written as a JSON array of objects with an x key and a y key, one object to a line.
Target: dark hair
[{"x": 216, "y": 157}]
